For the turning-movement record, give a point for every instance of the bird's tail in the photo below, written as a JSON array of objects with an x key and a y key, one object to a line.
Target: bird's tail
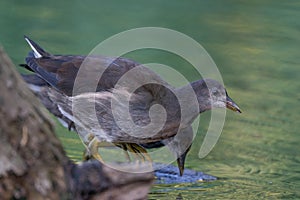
[{"x": 38, "y": 51}]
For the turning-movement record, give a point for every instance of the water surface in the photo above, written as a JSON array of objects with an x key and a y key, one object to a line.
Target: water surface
[{"x": 256, "y": 46}]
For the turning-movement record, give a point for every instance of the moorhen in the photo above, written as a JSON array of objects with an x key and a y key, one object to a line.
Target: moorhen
[{"x": 147, "y": 124}]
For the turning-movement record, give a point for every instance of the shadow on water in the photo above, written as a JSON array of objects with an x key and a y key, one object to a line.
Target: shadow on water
[{"x": 256, "y": 46}]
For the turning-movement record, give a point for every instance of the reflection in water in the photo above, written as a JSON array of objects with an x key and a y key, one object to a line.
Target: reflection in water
[{"x": 255, "y": 44}]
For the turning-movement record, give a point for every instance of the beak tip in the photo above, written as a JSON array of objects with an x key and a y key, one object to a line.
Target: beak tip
[{"x": 238, "y": 110}]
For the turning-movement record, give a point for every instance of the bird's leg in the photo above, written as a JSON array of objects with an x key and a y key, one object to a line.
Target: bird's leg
[
  {"x": 87, "y": 153},
  {"x": 93, "y": 144},
  {"x": 91, "y": 152},
  {"x": 93, "y": 149}
]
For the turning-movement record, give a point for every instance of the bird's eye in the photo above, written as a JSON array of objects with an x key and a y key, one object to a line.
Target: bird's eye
[{"x": 214, "y": 92}]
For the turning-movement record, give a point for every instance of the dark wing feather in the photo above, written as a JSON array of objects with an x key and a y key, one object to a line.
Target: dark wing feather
[{"x": 34, "y": 79}]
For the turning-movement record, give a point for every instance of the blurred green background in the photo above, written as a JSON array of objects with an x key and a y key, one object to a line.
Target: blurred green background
[{"x": 256, "y": 46}]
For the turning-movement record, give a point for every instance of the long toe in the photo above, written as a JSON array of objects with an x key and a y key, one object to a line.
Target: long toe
[{"x": 141, "y": 152}]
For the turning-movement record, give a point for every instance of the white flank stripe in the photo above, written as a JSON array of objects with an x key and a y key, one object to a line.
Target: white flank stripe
[
  {"x": 34, "y": 88},
  {"x": 64, "y": 113},
  {"x": 63, "y": 122}
]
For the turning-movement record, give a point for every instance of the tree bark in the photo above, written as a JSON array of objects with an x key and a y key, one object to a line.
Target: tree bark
[{"x": 33, "y": 164}]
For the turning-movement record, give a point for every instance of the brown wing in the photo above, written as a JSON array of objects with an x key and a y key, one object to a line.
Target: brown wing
[{"x": 90, "y": 74}]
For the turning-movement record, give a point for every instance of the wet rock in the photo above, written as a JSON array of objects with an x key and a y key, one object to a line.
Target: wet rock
[{"x": 169, "y": 174}]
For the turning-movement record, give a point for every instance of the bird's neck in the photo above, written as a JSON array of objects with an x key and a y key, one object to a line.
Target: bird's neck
[
  {"x": 197, "y": 95},
  {"x": 193, "y": 99}
]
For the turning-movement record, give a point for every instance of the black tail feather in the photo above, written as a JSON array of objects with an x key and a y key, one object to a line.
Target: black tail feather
[{"x": 26, "y": 67}]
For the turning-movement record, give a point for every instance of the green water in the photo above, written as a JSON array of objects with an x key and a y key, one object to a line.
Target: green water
[{"x": 255, "y": 44}]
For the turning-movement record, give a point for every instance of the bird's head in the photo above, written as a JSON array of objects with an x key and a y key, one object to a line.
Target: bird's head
[{"x": 212, "y": 94}]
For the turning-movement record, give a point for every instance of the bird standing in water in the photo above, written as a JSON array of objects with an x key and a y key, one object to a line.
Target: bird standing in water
[{"x": 155, "y": 108}]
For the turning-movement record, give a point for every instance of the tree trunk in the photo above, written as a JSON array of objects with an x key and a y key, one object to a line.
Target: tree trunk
[{"x": 33, "y": 164}]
